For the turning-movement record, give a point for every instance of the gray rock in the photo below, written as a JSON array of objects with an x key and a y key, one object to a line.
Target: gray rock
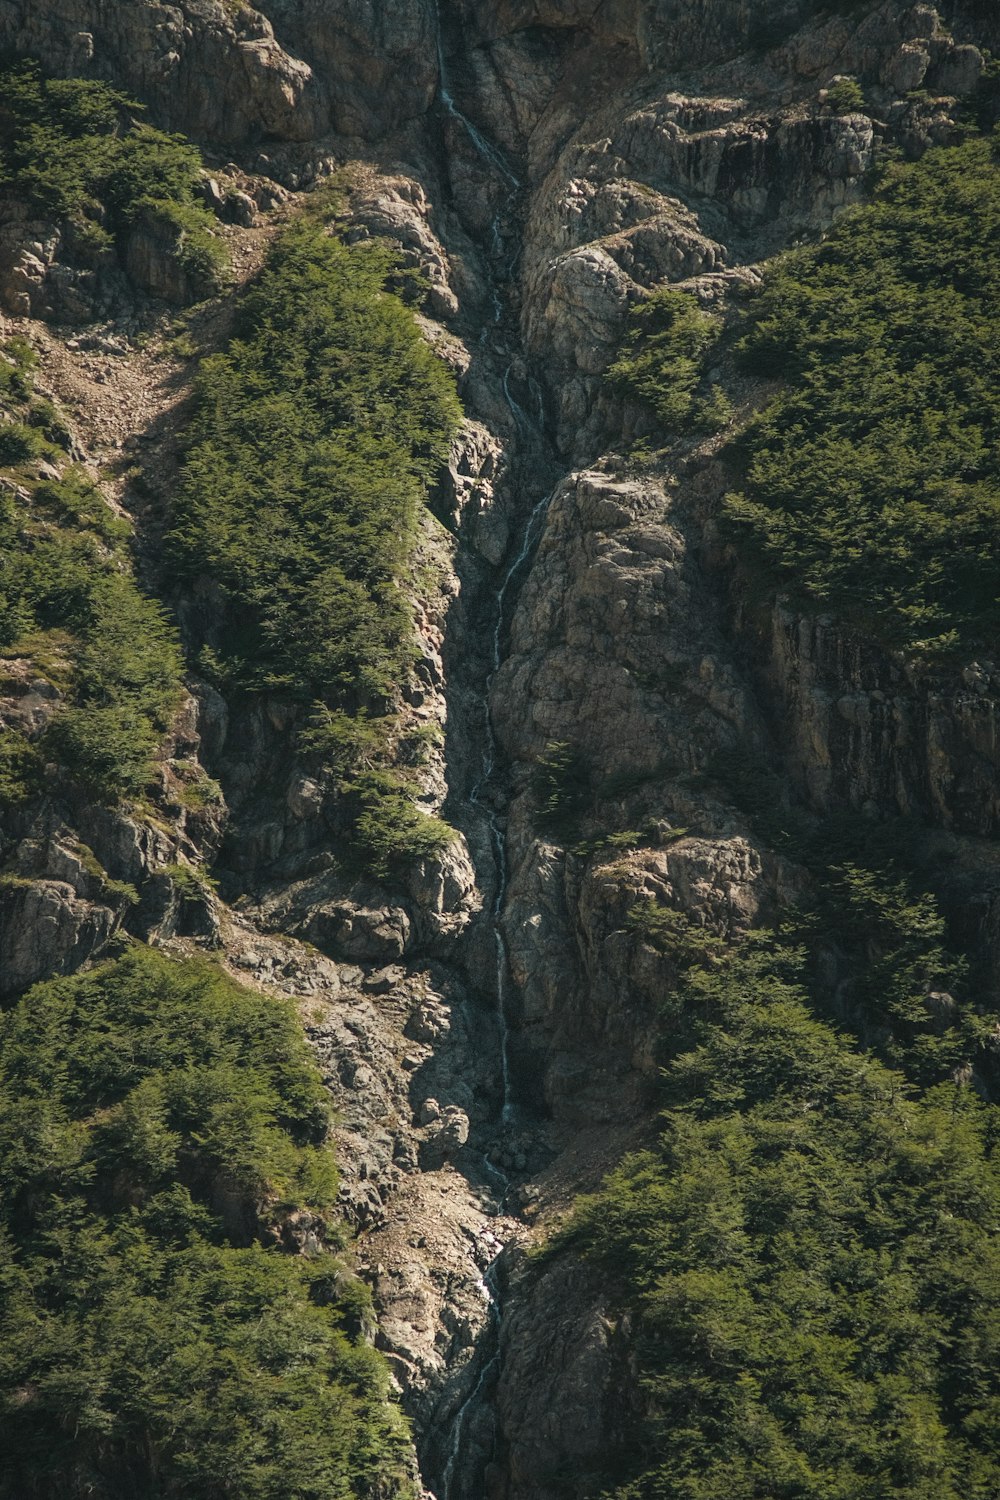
[
  {"x": 45, "y": 930},
  {"x": 210, "y": 69},
  {"x": 240, "y": 208}
]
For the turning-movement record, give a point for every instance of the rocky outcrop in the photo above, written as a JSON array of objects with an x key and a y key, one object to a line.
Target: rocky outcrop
[
  {"x": 618, "y": 644},
  {"x": 676, "y": 188},
  {"x": 569, "y": 1442},
  {"x": 46, "y": 928},
  {"x": 210, "y": 69},
  {"x": 57, "y": 909},
  {"x": 377, "y": 62},
  {"x": 888, "y": 736},
  {"x": 49, "y": 271},
  {"x": 154, "y": 259},
  {"x": 590, "y": 982},
  {"x": 588, "y": 154}
]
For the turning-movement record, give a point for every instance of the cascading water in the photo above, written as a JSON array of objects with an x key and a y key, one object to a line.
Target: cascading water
[
  {"x": 486, "y": 149},
  {"x": 478, "y": 794},
  {"x": 489, "y": 1370},
  {"x": 452, "y": 1484}
]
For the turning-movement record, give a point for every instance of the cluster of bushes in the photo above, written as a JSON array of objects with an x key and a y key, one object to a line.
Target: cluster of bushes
[
  {"x": 870, "y": 917},
  {"x": 808, "y": 1257},
  {"x": 900, "y": 987},
  {"x": 870, "y": 483},
  {"x": 872, "y": 480},
  {"x": 315, "y": 438},
  {"x": 159, "y": 1124},
  {"x": 69, "y": 601},
  {"x": 561, "y": 784},
  {"x": 76, "y": 150},
  {"x": 662, "y": 363}
]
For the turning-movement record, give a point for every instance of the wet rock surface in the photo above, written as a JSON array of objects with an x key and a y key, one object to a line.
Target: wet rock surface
[{"x": 588, "y": 154}]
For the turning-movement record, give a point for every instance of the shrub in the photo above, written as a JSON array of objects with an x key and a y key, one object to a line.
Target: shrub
[
  {"x": 899, "y": 988},
  {"x": 560, "y": 782},
  {"x": 872, "y": 481},
  {"x": 390, "y": 827},
  {"x": 188, "y": 231},
  {"x": 155, "y": 1120},
  {"x": 20, "y": 771},
  {"x": 75, "y": 149},
  {"x": 64, "y": 571},
  {"x": 315, "y": 438},
  {"x": 19, "y": 443},
  {"x": 74, "y": 498},
  {"x": 845, "y": 96},
  {"x": 806, "y": 1260},
  {"x": 661, "y": 362},
  {"x": 672, "y": 933}
]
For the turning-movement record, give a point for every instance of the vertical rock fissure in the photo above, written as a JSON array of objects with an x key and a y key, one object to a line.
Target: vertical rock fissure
[{"x": 458, "y": 1473}]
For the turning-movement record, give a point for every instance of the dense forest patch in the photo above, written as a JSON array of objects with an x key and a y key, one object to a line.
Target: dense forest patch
[
  {"x": 810, "y": 1258},
  {"x": 159, "y": 1126},
  {"x": 870, "y": 482},
  {"x": 873, "y": 478},
  {"x": 77, "y": 151},
  {"x": 316, "y": 436}
]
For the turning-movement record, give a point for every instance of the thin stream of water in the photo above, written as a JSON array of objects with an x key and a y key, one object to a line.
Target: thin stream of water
[
  {"x": 486, "y": 1373},
  {"x": 485, "y": 148},
  {"x": 479, "y": 794}
]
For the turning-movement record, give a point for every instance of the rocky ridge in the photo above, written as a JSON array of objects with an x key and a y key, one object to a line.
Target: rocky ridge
[{"x": 629, "y": 640}]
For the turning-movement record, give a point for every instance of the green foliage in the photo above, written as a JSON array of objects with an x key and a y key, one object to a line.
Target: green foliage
[
  {"x": 560, "y": 782},
  {"x": 903, "y": 991},
  {"x": 74, "y": 149},
  {"x": 155, "y": 1117},
  {"x": 873, "y": 480},
  {"x": 199, "y": 252},
  {"x": 662, "y": 362},
  {"x": 672, "y": 932},
  {"x": 20, "y": 771},
  {"x": 64, "y": 572},
  {"x": 30, "y": 426},
  {"x": 984, "y": 105},
  {"x": 314, "y": 441},
  {"x": 124, "y": 657},
  {"x": 20, "y": 443},
  {"x": 390, "y": 826},
  {"x": 195, "y": 788},
  {"x": 810, "y": 1261},
  {"x": 845, "y": 96},
  {"x": 899, "y": 986},
  {"x": 342, "y": 741},
  {"x": 75, "y": 500}
]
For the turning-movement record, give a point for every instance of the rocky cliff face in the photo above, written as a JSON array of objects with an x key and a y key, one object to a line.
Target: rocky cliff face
[{"x": 486, "y": 1019}]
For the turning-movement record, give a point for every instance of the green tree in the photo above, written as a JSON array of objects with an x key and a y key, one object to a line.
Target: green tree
[{"x": 160, "y": 1130}]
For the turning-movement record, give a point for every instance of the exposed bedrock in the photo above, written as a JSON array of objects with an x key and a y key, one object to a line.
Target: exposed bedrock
[{"x": 651, "y": 140}]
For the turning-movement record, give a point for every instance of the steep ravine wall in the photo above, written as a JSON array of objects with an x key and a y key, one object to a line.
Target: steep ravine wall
[{"x": 648, "y": 144}]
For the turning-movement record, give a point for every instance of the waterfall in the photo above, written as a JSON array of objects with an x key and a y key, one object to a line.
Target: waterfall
[{"x": 479, "y": 795}]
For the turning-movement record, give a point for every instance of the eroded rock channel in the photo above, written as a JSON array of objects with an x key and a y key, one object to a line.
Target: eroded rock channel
[{"x": 590, "y": 652}]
